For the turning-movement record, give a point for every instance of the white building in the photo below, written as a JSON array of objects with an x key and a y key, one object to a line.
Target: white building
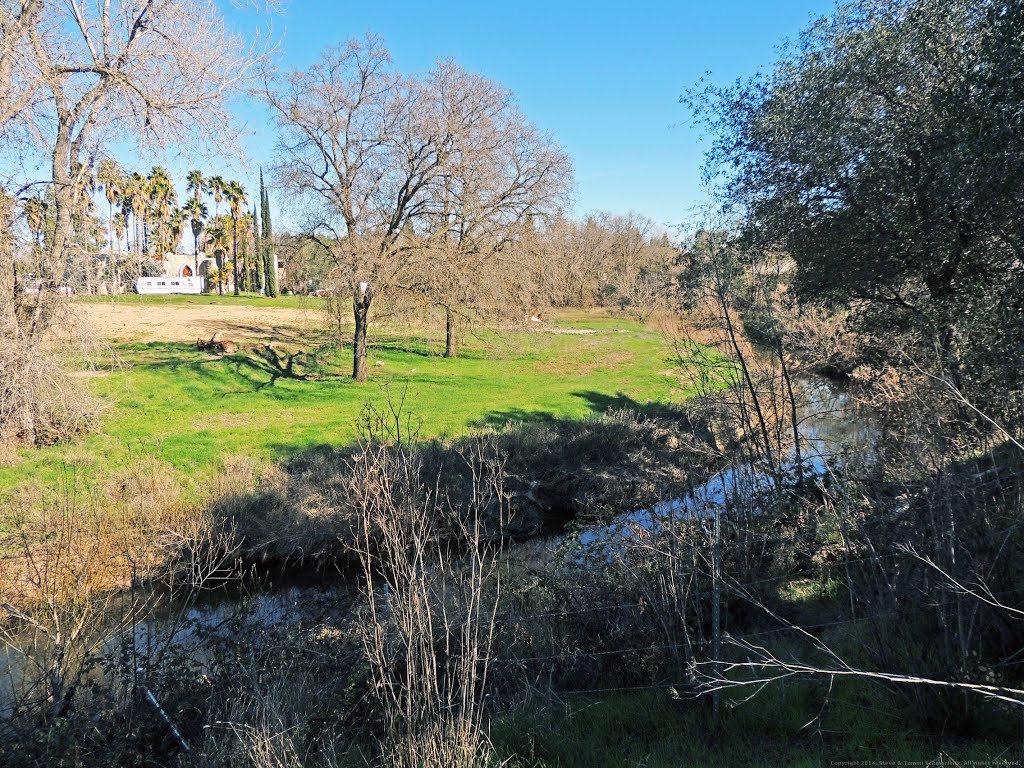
[
  {"x": 186, "y": 273},
  {"x": 186, "y": 265},
  {"x": 170, "y": 285},
  {"x": 183, "y": 273}
]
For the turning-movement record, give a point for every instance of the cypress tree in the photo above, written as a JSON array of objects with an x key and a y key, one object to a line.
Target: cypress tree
[
  {"x": 269, "y": 259},
  {"x": 261, "y": 270}
]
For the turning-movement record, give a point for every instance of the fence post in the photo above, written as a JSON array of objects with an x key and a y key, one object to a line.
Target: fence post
[{"x": 716, "y": 614}]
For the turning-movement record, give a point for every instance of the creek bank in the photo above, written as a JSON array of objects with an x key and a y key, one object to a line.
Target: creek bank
[
  {"x": 564, "y": 483},
  {"x": 305, "y": 513},
  {"x": 835, "y": 432}
]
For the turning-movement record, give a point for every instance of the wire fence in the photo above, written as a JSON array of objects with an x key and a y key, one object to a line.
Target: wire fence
[{"x": 797, "y": 629}]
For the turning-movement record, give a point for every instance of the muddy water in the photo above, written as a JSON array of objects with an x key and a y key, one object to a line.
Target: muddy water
[{"x": 187, "y": 629}]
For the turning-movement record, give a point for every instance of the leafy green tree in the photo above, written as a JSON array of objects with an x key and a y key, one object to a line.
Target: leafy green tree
[
  {"x": 267, "y": 235},
  {"x": 217, "y": 238},
  {"x": 884, "y": 154},
  {"x": 261, "y": 276}
]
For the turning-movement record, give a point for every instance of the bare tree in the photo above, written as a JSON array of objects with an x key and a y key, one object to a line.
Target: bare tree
[
  {"x": 409, "y": 183},
  {"x": 152, "y": 70},
  {"x": 76, "y": 76},
  {"x": 358, "y": 148},
  {"x": 18, "y": 83},
  {"x": 639, "y": 263},
  {"x": 500, "y": 170}
]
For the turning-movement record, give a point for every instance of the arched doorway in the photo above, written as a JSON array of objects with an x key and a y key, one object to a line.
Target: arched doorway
[{"x": 186, "y": 271}]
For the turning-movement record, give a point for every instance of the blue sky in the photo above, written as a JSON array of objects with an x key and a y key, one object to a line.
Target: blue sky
[{"x": 604, "y": 77}]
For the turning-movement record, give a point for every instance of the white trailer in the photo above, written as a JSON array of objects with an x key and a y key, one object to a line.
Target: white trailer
[{"x": 169, "y": 285}]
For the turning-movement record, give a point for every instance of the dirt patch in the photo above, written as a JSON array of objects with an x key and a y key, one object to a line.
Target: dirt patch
[
  {"x": 570, "y": 331},
  {"x": 177, "y": 322},
  {"x": 546, "y": 327}
]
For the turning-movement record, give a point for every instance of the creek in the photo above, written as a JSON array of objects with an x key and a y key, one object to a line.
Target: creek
[{"x": 835, "y": 433}]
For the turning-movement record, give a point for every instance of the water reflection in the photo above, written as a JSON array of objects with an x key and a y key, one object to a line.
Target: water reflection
[{"x": 835, "y": 433}]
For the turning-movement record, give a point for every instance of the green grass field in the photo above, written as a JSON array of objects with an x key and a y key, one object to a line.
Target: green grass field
[{"x": 190, "y": 408}]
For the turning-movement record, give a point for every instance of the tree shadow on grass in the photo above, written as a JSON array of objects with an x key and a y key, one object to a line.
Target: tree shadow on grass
[
  {"x": 403, "y": 344},
  {"x": 506, "y": 416},
  {"x": 599, "y": 403},
  {"x": 553, "y": 469},
  {"x": 255, "y": 372},
  {"x": 282, "y": 334},
  {"x": 421, "y": 347},
  {"x": 602, "y": 402}
]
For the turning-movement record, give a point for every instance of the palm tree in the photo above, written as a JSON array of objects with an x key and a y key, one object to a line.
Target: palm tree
[
  {"x": 163, "y": 197},
  {"x": 120, "y": 226},
  {"x": 216, "y": 185},
  {"x": 195, "y": 183},
  {"x": 35, "y": 216},
  {"x": 135, "y": 194},
  {"x": 111, "y": 179},
  {"x": 197, "y": 213},
  {"x": 235, "y": 194},
  {"x": 85, "y": 186},
  {"x": 175, "y": 226},
  {"x": 83, "y": 206},
  {"x": 217, "y": 237}
]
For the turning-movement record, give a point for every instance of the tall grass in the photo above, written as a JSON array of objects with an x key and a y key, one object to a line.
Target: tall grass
[{"x": 431, "y": 591}]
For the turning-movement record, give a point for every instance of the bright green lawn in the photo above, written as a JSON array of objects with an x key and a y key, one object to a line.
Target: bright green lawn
[{"x": 191, "y": 408}]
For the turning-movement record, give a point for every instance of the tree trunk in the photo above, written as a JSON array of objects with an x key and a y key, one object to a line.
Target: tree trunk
[
  {"x": 63, "y": 199},
  {"x": 234, "y": 254},
  {"x": 16, "y": 295},
  {"x": 361, "y": 298},
  {"x": 769, "y": 452},
  {"x": 88, "y": 277},
  {"x": 9, "y": 253},
  {"x": 451, "y": 340},
  {"x": 794, "y": 417},
  {"x": 110, "y": 246}
]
